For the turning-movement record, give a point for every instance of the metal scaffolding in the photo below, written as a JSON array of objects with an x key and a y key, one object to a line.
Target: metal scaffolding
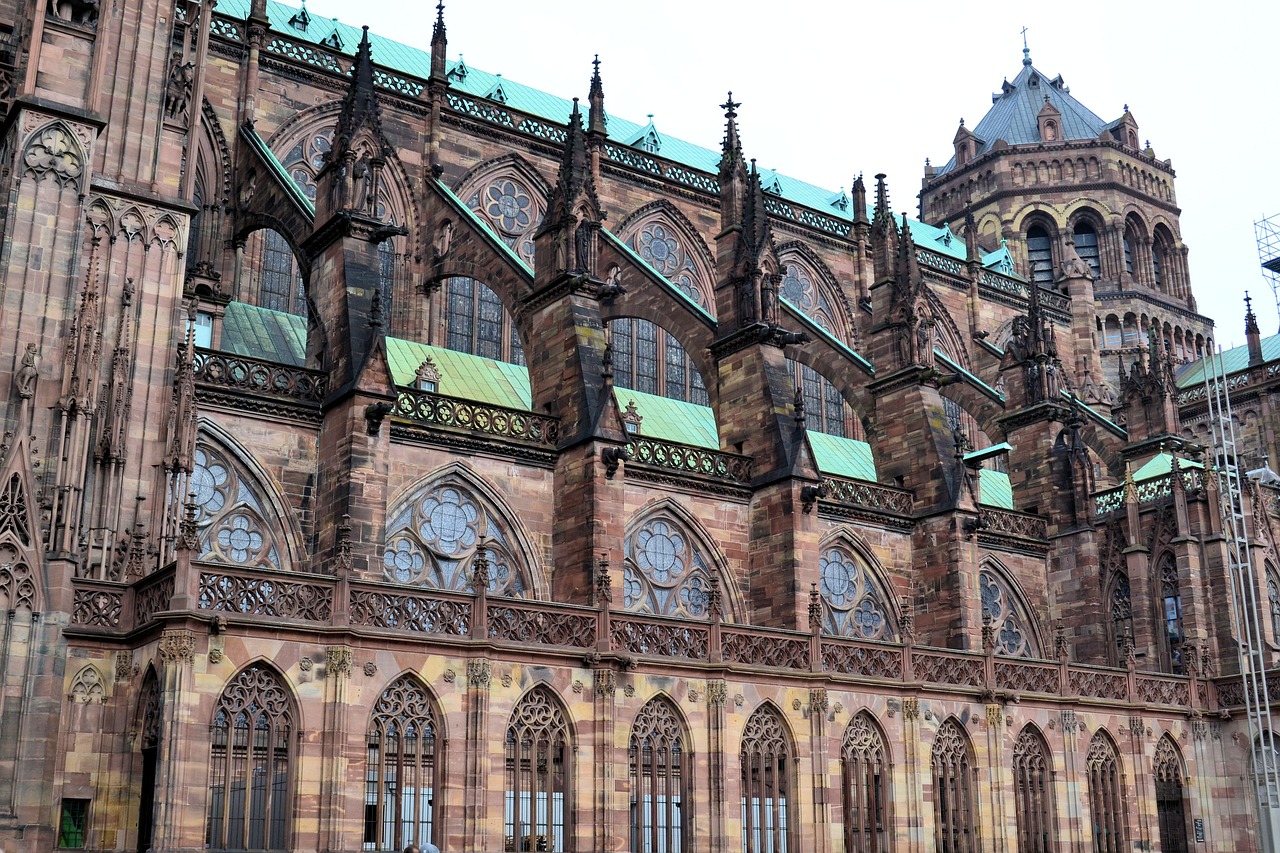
[{"x": 1268, "y": 233}]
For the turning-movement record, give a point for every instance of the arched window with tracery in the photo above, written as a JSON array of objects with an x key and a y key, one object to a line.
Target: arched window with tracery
[
  {"x": 233, "y": 520},
  {"x": 1161, "y": 260},
  {"x": 433, "y": 538},
  {"x": 400, "y": 773},
  {"x": 1039, "y": 255},
  {"x": 537, "y": 801},
  {"x": 801, "y": 289},
  {"x": 1171, "y": 614},
  {"x": 825, "y": 408},
  {"x": 1170, "y": 808},
  {"x": 306, "y": 158},
  {"x": 955, "y": 802},
  {"x": 251, "y": 757},
  {"x": 1086, "y": 239},
  {"x": 1121, "y": 615},
  {"x": 659, "y": 779},
  {"x": 854, "y": 604},
  {"x": 1010, "y": 621},
  {"x": 271, "y": 275},
  {"x": 1106, "y": 806},
  {"x": 865, "y": 759},
  {"x": 477, "y": 322},
  {"x": 671, "y": 253},
  {"x": 1033, "y": 793},
  {"x": 767, "y": 764},
  {"x": 506, "y": 202},
  {"x": 665, "y": 571},
  {"x": 646, "y": 357}
]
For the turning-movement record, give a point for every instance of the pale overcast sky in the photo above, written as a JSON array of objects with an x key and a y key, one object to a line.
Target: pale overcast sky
[{"x": 833, "y": 89}]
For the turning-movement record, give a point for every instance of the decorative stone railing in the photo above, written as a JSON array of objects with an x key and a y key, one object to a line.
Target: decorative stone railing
[
  {"x": 258, "y": 377},
  {"x": 1234, "y": 383},
  {"x": 1005, "y": 522},
  {"x": 1148, "y": 490},
  {"x": 864, "y": 495},
  {"x": 438, "y": 410},
  {"x": 688, "y": 459},
  {"x": 277, "y": 599}
]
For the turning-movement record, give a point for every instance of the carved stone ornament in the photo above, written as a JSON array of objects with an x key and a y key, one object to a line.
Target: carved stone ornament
[
  {"x": 911, "y": 708},
  {"x": 177, "y": 95},
  {"x": 717, "y": 692},
  {"x": 1068, "y": 720},
  {"x": 450, "y": 676},
  {"x": 577, "y": 686},
  {"x": 124, "y": 665},
  {"x": 338, "y": 661},
  {"x": 606, "y": 682},
  {"x": 818, "y": 702},
  {"x": 26, "y": 377},
  {"x": 995, "y": 716},
  {"x": 1137, "y": 727},
  {"x": 629, "y": 691},
  {"x": 506, "y": 680},
  {"x": 479, "y": 673},
  {"x": 178, "y": 646},
  {"x": 54, "y": 150},
  {"x": 215, "y": 655},
  {"x": 305, "y": 664},
  {"x": 370, "y": 668}
]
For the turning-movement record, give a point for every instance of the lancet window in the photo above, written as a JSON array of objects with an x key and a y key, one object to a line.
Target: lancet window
[
  {"x": 1273, "y": 601},
  {"x": 537, "y": 802},
  {"x": 767, "y": 784},
  {"x": 400, "y": 774},
  {"x": 232, "y": 519},
  {"x": 1033, "y": 793},
  {"x": 954, "y": 799},
  {"x": 511, "y": 209},
  {"x": 648, "y": 358},
  {"x": 251, "y": 756},
  {"x": 1009, "y": 621},
  {"x": 1171, "y": 602},
  {"x": 1170, "y": 811},
  {"x": 668, "y": 252},
  {"x": 280, "y": 285},
  {"x": 1105, "y": 803},
  {"x": 659, "y": 783},
  {"x": 433, "y": 539},
  {"x": 665, "y": 572},
  {"x": 853, "y": 603},
  {"x": 865, "y": 757},
  {"x": 478, "y": 323}
]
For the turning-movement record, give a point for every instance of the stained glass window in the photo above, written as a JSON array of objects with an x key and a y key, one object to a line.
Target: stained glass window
[
  {"x": 667, "y": 252},
  {"x": 1105, "y": 804},
  {"x": 305, "y": 160},
  {"x": 954, "y": 798},
  {"x": 1009, "y": 619},
  {"x": 866, "y": 787},
  {"x": 477, "y": 322},
  {"x": 665, "y": 572},
  {"x": 280, "y": 285},
  {"x": 647, "y": 358},
  {"x": 1121, "y": 614},
  {"x": 659, "y": 779},
  {"x": 1086, "y": 239},
  {"x": 400, "y": 772},
  {"x": 825, "y": 407},
  {"x": 511, "y": 209},
  {"x": 852, "y": 603},
  {"x": 800, "y": 289},
  {"x": 1033, "y": 793},
  {"x": 537, "y": 802},
  {"x": 1171, "y": 601},
  {"x": 1273, "y": 599},
  {"x": 767, "y": 783},
  {"x": 432, "y": 540},
  {"x": 251, "y": 752},
  {"x": 231, "y": 515}
]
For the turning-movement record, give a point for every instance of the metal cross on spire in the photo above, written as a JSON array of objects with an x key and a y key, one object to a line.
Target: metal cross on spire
[{"x": 1026, "y": 51}]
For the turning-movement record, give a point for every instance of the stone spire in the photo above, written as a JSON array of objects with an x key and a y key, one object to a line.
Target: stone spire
[
  {"x": 1252, "y": 334},
  {"x": 883, "y": 212},
  {"x": 573, "y": 212},
  {"x": 732, "y": 174},
  {"x": 597, "y": 119},
  {"x": 860, "y": 201},
  {"x": 438, "y": 44},
  {"x": 351, "y": 179}
]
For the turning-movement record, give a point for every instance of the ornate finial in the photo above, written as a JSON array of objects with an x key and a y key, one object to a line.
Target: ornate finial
[
  {"x": 730, "y": 107},
  {"x": 815, "y": 608},
  {"x": 344, "y": 543},
  {"x": 908, "y": 620},
  {"x": 595, "y": 63},
  {"x": 988, "y": 632},
  {"x": 962, "y": 121},
  {"x": 604, "y": 582},
  {"x": 1126, "y": 108},
  {"x": 188, "y": 531},
  {"x": 1026, "y": 51},
  {"x": 480, "y": 567},
  {"x": 1060, "y": 641},
  {"x": 1130, "y": 650},
  {"x": 715, "y": 599}
]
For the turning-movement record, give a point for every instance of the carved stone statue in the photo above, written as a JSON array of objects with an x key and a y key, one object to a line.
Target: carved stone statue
[
  {"x": 83, "y": 12},
  {"x": 582, "y": 247},
  {"x": 444, "y": 240},
  {"x": 26, "y": 378},
  {"x": 177, "y": 95}
]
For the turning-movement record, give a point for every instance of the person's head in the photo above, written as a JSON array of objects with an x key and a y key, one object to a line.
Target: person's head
[{"x": 411, "y": 848}]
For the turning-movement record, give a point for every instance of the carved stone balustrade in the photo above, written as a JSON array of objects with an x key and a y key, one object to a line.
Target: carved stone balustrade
[
  {"x": 256, "y": 377},
  {"x": 438, "y": 410},
  {"x": 687, "y": 459}
]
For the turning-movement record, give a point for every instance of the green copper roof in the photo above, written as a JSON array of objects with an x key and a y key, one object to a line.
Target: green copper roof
[
  {"x": 1233, "y": 360},
  {"x": 290, "y": 186},
  {"x": 262, "y": 333},
  {"x": 655, "y": 276},
  {"x": 1161, "y": 465},
  {"x": 996, "y": 491},
  {"x": 462, "y": 375},
  {"x": 484, "y": 227},
  {"x": 672, "y": 420},
  {"x": 842, "y": 457},
  {"x": 973, "y": 380},
  {"x": 836, "y": 343}
]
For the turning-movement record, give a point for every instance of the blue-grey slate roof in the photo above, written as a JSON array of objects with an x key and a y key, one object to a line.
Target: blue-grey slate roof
[{"x": 1013, "y": 113}]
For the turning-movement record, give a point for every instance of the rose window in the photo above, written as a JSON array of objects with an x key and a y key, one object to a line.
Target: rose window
[
  {"x": 509, "y": 205},
  {"x": 434, "y": 538},
  {"x": 852, "y": 604},
  {"x": 657, "y": 244},
  {"x": 797, "y": 288},
  {"x": 230, "y": 513},
  {"x": 665, "y": 573},
  {"x": 240, "y": 539},
  {"x": 1007, "y": 619}
]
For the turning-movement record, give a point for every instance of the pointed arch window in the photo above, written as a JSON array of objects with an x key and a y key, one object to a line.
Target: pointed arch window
[
  {"x": 853, "y": 604},
  {"x": 1040, "y": 255},
  {"x": 433, "y": 538},
  {"x": 477, "y": 322},
  {"x": 659, "y": 781},
  {"x": 954, "y": 798},
  {"x": 507, "y": 204},
  {"x": 1121, "y": 615},
  {"x": 668, "y": 252},
  {"x": 1033, "y": 793},
  {"x": 306, "y": 158},
  {"x": 665, "y": 572},
  {"x": 232, "y": 519},
  {"x": 1171, "y": 604},
  {"x": 1009, "y": 620},
  {"x": 1105, "y": 804},
  {"x": 800, "y": 288},
  {"x": 1170, "y": 808},
  {"x": 648, "y": 358},
  {"x": 1086, "y": 239},
  {"x": 865, "y": 759},
  {"x": 400, "y": 774},
  {"x": 280, "y": 285},
  {"x": 251, "y": 757},
  {"x": 1128, "y": 254},
  {"x": 537, "y": 802},
  {"x": 1157, "y": 264},
  {"x": 825, "y": 408},
  {"x": 151, "y": 707},
  {"x": 767, "y": 767}
]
